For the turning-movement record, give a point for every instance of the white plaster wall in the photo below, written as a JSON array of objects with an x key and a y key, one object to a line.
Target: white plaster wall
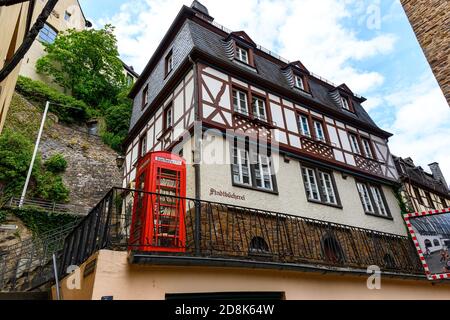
[{"x": 292, "y": 197}]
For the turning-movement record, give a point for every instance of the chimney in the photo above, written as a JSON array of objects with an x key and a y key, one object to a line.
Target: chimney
[
  {"x": 202, "y": 10},
  {"x": 437, "y": 173}
]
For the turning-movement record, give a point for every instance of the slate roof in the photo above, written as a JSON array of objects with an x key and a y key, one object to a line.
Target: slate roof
[
  {"x": 419, "y": 176},
  {"x": 212, "y": 43}
]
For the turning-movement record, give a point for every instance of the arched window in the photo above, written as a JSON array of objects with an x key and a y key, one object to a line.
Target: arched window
[
  {"x": 332, "y": 249},
  {"x": 436, "y": 242},
  {"x": 258, "y": 245},
  {"x": 428, "y": 243},
  {"x": 389, "y": 261}
]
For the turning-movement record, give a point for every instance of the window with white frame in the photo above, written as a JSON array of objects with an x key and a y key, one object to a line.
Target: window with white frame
[
  {"x": 241, "y": 167},
  {"x": 299, "y": 82},
  {"x": 367, "y": 148},
  {"x": 345, "y": 103},
  {"x": 168, "y": 116},
  {"x": 318, "y": 128},
  {"x": 327, "y": 187},
  {"x": 240, "y": 102},
  {"x": 372, "y": 199},
  {"x": 252, "y": 169},
  {"x": 169, "y": 62},
  {"x": 355, "y": 143},
  {"x": 365, "y": 197},
  {"x": 378, "y": 199},
  {"x": 242, "y": 54},
  {"x": 304, "y": 125},
  {"x": 320, "y": 186},
  {"x": 263, "y": 173},
  {"x": 310, "y": 181},
  {"x": 259, "y": 108}
]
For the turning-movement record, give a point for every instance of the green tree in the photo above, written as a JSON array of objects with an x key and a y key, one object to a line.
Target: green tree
[{"x": 86, "y": 63}]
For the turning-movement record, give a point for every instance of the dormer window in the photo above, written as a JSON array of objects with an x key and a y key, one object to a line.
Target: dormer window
[
  {"x": 242, "y": 54},
  {"x": 169, "y": 62},
  {"x": 299, "y": 83}
]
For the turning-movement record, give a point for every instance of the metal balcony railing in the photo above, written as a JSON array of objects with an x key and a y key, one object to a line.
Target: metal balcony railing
[{"x": 217, "y": 230}]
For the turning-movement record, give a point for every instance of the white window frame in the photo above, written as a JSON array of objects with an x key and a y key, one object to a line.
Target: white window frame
[
  {"x": 240, "y": 105},
  {"x": 265, "y": 171},
  {"x": 311, "y": 185},
  {"x": 259, "y": 104},
  {"x": 240, "y": 156},
  {"x": 168, "y": 117},
  {"x": 379, "y": 202},
  {"x": 354, "y": 142},
  {"x": 320, "y": 133},
  {"x": 345, "y": 104},
  {"x": 328, "y": 188},
  {"x": 299, "y": 83},
  {"x": 365, "y": 197},
  {"x": 169, "y": 62},
  {"x": 303, "y": 120},
  {"x": 367, "y": 148},
  {"x": 242, "y": 54}
]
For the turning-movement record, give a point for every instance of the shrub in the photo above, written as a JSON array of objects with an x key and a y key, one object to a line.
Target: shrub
[
  {"x": 38, "y": 92},
  {"x": 15, "y": 158},
  {"x": 51, "y": 187},
  {"x": 56, "y": 163},
  {"x": 3, "y": 215}
]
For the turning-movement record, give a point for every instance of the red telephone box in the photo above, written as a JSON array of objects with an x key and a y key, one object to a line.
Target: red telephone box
[{"x": 159, "y": 204}]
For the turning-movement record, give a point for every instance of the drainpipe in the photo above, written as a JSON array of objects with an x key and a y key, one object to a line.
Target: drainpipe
[{"x": 197, "y": 159}]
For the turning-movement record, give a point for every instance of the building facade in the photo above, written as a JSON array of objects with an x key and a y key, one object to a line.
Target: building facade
[
  {"x": 15, "y": 22},
  {"x": 289, "y": 183},
  {"x": 422, "y": 191},
  {"x": 66, "y": 15},
  {"x": 322, "y": 150},
  {"x": 430, "y": 20}
]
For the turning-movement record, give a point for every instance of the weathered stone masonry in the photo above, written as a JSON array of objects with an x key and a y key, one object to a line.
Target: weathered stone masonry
[{"x": 430, "y": 20}]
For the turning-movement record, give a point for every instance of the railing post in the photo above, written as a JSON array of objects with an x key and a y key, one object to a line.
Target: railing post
[{"x": 197, "y": 228}]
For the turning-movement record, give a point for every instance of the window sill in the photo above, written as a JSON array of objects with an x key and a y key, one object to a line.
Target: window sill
[
  {"x": 337, "y": 206},
  {"x": 164, "y": 133},
  {"x": 246, "y": 65},
  {"x": 310, "y": 138},
  {"x": 379, "y": 216},
  {"x": 302, "y": 90},
  {"x": 254, "y": 119},
  {"x": 274, "y": 192}
]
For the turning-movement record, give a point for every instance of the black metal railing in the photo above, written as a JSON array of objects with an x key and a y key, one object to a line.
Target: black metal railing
[
  {"x": 28, "y": 263},
  {"x": 232, "y": 232}
]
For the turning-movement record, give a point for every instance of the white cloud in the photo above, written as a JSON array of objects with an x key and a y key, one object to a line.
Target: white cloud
[
  {"x": 421, "y": 124},
  {"x": 308, "y": 30}
]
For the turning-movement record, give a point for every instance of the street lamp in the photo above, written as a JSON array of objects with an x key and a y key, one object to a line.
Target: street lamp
[{"x": 120, "y": 160}]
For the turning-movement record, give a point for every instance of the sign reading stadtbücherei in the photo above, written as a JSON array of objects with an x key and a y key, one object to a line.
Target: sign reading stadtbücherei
[{"x": 430, "y": 232}]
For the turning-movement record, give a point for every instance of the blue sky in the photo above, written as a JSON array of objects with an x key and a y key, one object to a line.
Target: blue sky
[{"x": 369, "y": 45}]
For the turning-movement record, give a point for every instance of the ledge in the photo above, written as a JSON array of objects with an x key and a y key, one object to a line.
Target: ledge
[{"x": 173, "y": 260}]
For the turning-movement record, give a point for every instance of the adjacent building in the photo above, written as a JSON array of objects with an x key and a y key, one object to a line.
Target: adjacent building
[
  {"x": 422, "y": 191},
  {"x": 290, "y": 185},
  {"x": 66, "y": 15},
  {"x": 15, "y": 21},
  {"x": 430, "y": 22}
]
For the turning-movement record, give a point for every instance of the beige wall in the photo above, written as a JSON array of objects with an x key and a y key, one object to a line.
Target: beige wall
[
  {"x": 115, "y": 277},
  {"x": 292, "y": 196},
  {"x": 57, "y": 21},
  {"x": 12, "y": 25}
]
